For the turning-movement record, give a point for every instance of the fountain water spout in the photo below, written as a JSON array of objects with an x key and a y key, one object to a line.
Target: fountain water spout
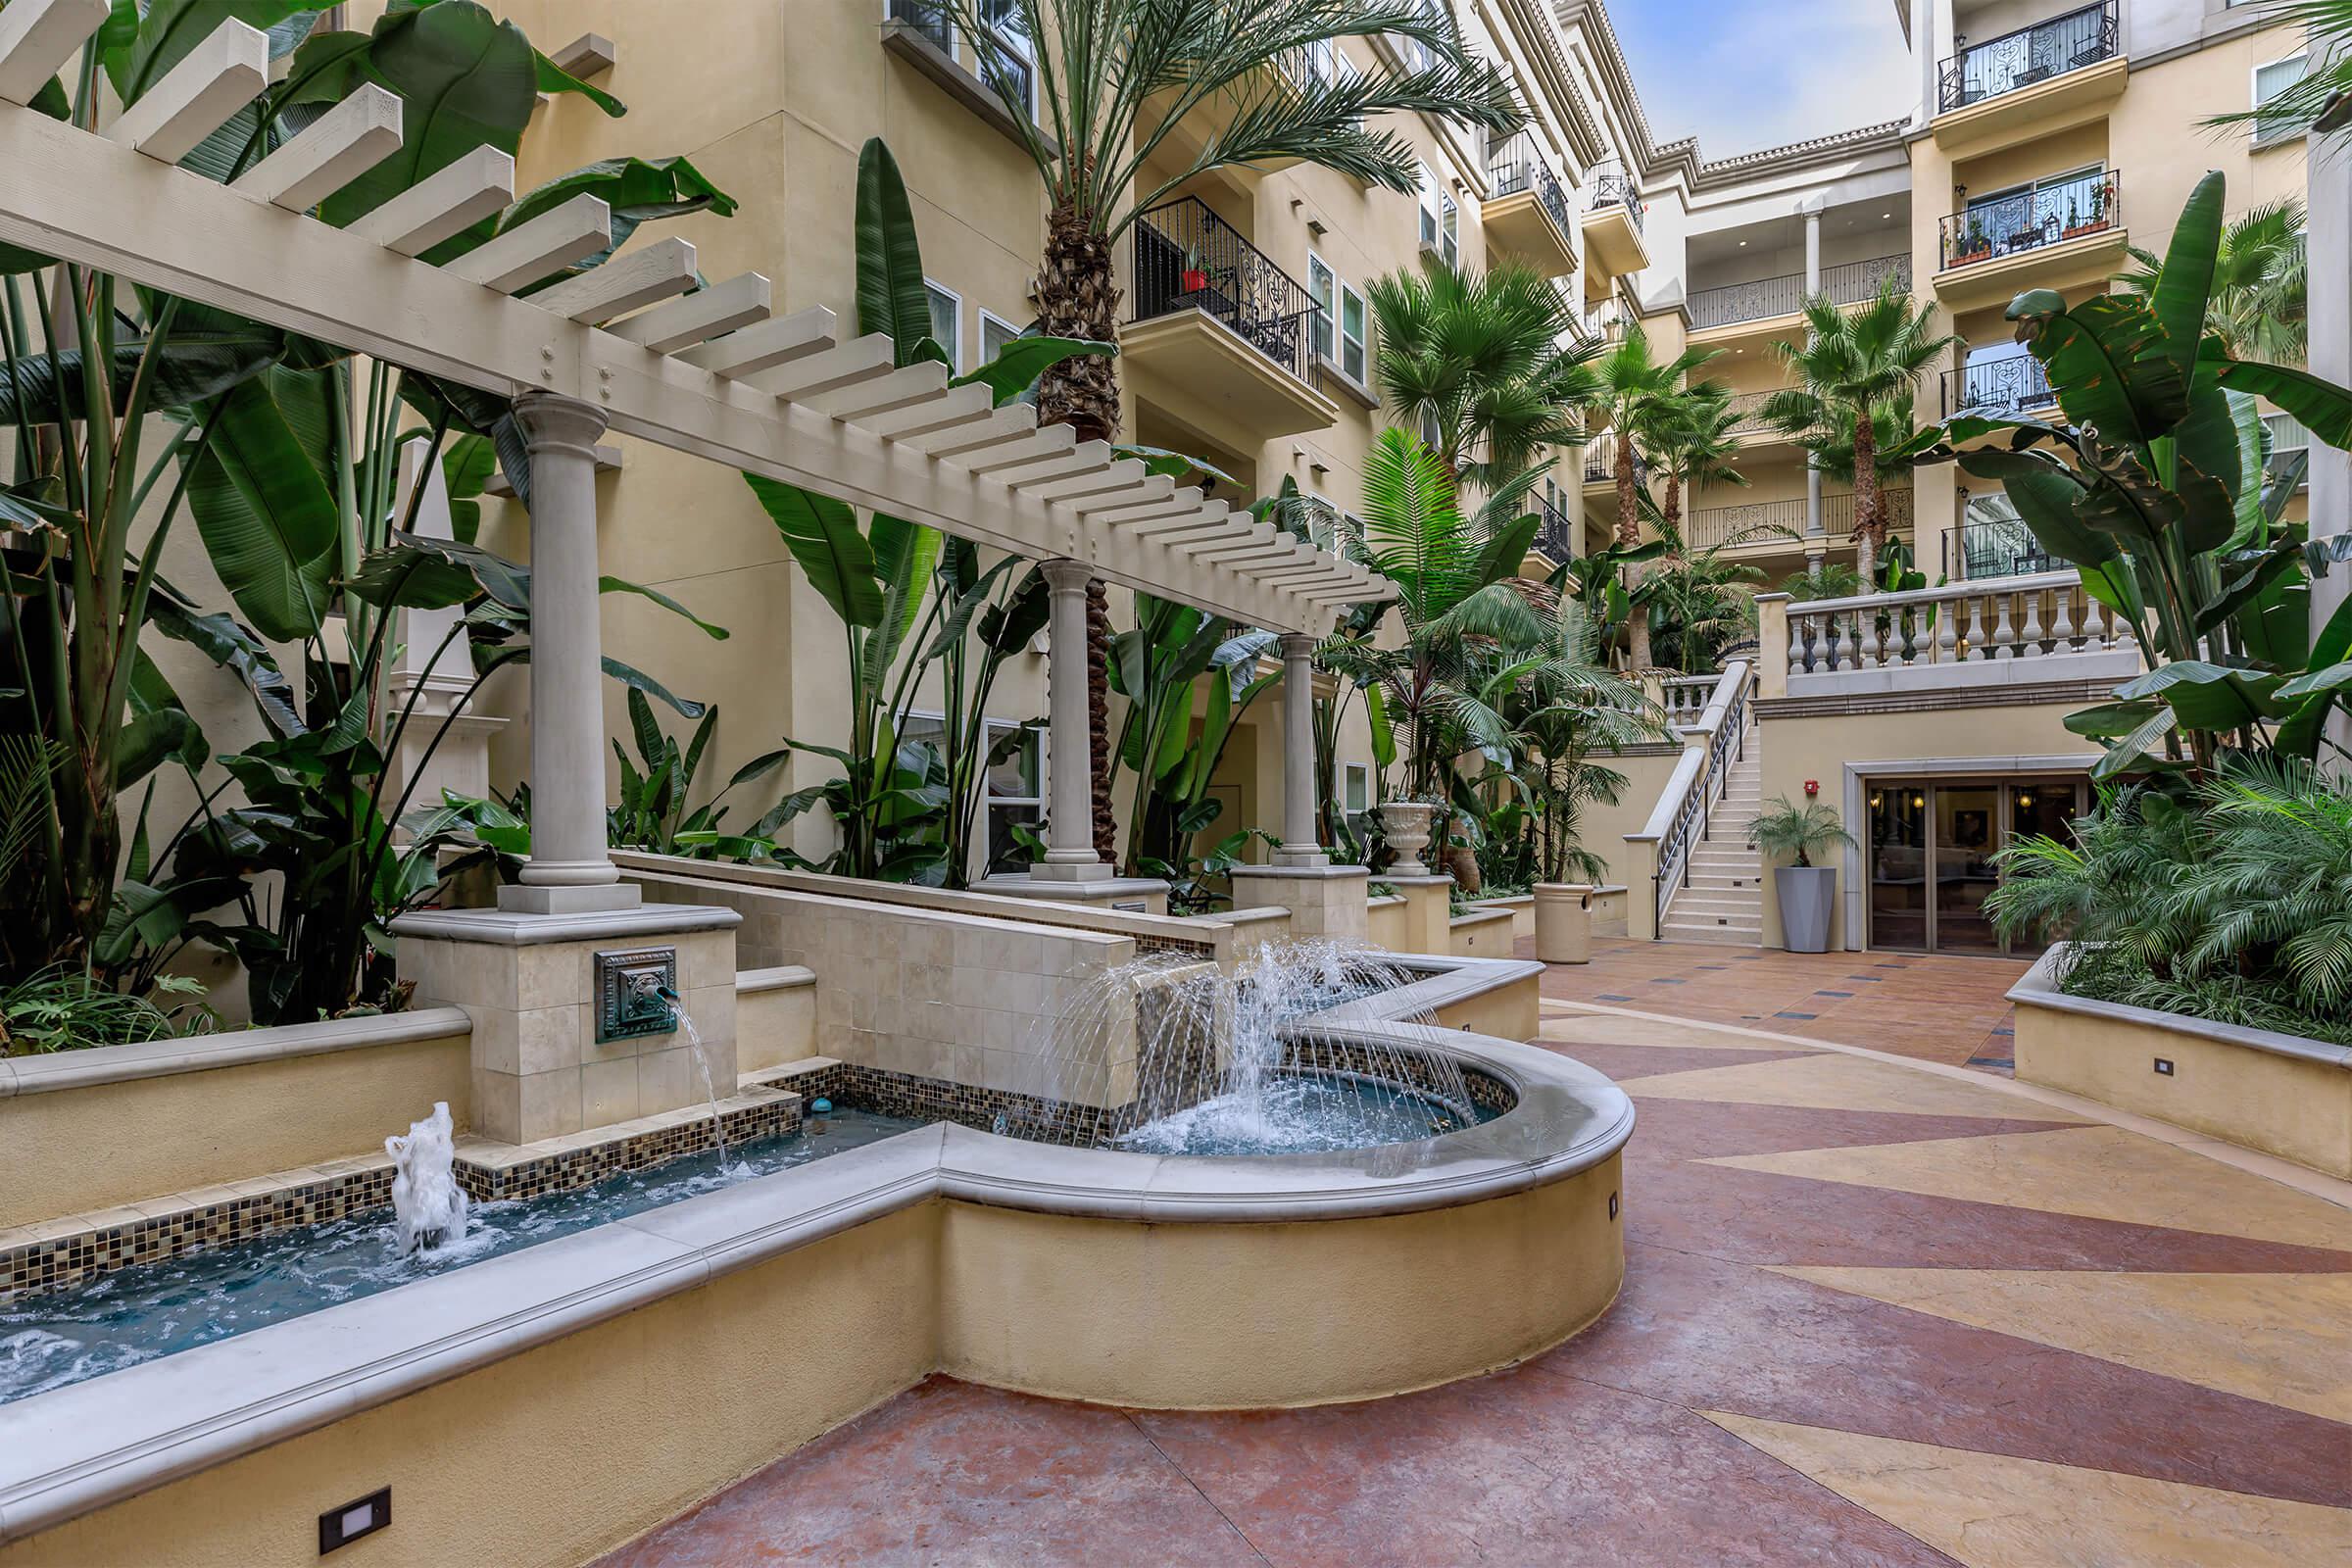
[{"x": 428, "y": 1206}]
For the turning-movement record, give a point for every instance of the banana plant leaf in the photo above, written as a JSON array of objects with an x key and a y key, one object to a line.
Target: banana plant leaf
[
  {"x": 196, "y": 364},
  {"x": 2106, "y": 361},
  {"x": 637, "y": 190},
  {"x": 261, "y": 502},
  {"x": 822, "y": 535},
  {"x": 2209, "y": 697},
  {"x": 1015, "y": 369},
  {"x": 621, "y": 585}
]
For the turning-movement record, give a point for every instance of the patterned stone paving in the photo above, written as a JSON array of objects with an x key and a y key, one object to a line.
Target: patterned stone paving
[{"x": 1874, "y": 1314}]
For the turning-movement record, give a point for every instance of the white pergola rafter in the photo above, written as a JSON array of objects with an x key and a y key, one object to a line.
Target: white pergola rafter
[{"x": 631, "y": 345}]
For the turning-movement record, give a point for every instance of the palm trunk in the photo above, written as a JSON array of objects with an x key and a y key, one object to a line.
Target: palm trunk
[
  {"x": 1077, "y": 296},
  {"x": 1870, "y": 526},
  {"x": 1629, "y": 534}
]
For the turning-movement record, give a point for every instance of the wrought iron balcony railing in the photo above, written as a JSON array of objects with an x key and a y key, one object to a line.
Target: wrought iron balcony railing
[
  {"x": 1556, "y": 538},
  {"x": 1188, "y": 258},
  {"x": 1614, "y": 188},
  {"x": 1600, "y": 461},
  {"x": 1998, "y": 546},
  {"x": 1749, "y": 405},
  {"x": 1847, "y": 283},
  {"x": 1517, "y": 165},
  {"x": 2034, "y": 217},
  {"x": 2029, "y": 55},
  {"x": 2000, "y": 389},
  {"x": 1709, "y": 526}
]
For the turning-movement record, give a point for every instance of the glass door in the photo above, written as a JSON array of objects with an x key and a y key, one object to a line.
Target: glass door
[{"x": 1931, "y": 850}]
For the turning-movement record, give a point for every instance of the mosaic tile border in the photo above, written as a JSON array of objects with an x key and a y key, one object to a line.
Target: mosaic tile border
[
  {"x": 57, "y": 1262},
  {"x": 568, "y": 1168}
]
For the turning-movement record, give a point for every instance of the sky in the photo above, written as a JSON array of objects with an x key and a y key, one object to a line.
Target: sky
[{"x": 1743, "y": 75}]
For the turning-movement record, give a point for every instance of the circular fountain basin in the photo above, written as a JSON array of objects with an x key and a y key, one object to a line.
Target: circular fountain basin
[{"x": 1217, "y": 1281}]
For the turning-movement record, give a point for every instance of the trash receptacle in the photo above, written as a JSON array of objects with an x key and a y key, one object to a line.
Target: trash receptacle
[{"x": 1564, "y": 922}]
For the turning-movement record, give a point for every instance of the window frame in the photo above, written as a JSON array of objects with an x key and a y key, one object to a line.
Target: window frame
[
  {"x": 1361, "y": 374},
  {"x": 2255, "y": 100},
  {"x": 1324, "y": 333},
  {"x": 995, "y": 729},
  {"x": 956, "y": 350},
  {"x": 989, "y": 318}
]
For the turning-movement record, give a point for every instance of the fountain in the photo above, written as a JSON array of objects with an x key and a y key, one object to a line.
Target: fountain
[
  {"x": 702, "y": 1060},
  {"x": 1235, "y": 1064},
  {"x": 428, "y": 1206}
]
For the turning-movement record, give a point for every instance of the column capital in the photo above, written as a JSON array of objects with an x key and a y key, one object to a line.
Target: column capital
[
  {"x": 553, "y": 422},
  {"x": 1064, "y": 575},
  {"x": 1298, "y": 645}
]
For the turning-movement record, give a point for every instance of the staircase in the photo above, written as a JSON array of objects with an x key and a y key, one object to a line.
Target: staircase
[{"x": 1722, "y": 898}]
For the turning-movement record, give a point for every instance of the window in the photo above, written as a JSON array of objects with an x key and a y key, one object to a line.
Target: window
[
  {"x": 1014, "y": 780},
  {"x": 996, "y": 333},
  {"x": 1429, "y": 208},
  {"x": 1323, "y": 284},
  {"x": 2269, "y": 82},
  {"x": 1352, "y": 358},
  {"x": 946, "y": 322},
  {"x": 2287, "y": 437},
  {"x": 1356, "y": 795},
  {"x": 1339, "y": 330},
  {"x": 1007, "y": 53}
]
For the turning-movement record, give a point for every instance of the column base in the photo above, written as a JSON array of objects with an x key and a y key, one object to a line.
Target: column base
[
  {"x": 591, "y": 898},
  {"x": 1132, "y": 895},
  {"x": 1306, "y": 857},
  {"x": 1059, "y": 871}
]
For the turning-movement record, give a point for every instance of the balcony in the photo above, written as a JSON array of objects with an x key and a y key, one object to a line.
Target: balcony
[
  {"x": 1751, "y": 430},
  {"x": 1604, "y": 322},
  {"x": 1770, "y": 525},
  {"x": 919, "y": 33},
  {"x": 1613, "y": 244},
  {"x": 1219, "y": 326},
  {"x": 1556, "y": 538},
  {"x": 2060, "y": 235},
  {"x": 1528, "y": 212},
  {"x": 1997, "y": 547},
  {"x": 1962, "y": 639},
  {"x": 2056, "y": 73},
  {"x": 1716, "y": 312},
  {"x": 2006, "y": 388}
]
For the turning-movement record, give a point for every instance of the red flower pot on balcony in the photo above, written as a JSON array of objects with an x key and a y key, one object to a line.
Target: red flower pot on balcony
[{"x": 1195, "y": 281}]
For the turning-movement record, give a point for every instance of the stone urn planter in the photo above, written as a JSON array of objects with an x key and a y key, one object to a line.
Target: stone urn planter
[
  {"x": 1806, "y": 893},
  {"x": 1406, "y": 827},
  {"x": 1564, "y": 922}
]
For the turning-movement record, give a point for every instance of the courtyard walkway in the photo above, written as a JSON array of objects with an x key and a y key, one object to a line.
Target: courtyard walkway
[{"x": 1877, "y": 1312}]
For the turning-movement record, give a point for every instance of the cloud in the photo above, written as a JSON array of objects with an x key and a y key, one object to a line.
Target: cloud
[{"x": 1744, "y": 75}]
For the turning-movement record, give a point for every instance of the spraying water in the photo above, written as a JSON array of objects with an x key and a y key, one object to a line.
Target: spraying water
[
  {"x": 428, "y": 1206},
  {"x": 1169, "y": 1054}
]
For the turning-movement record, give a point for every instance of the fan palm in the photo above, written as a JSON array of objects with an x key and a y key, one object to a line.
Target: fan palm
[
  {"x": 1565, "y": 706},
  {"x": 1476, "y": 361},
  {"x": 1691, "y": 440},
  {"x": 1111, "y": 78},
  {"x": 1853, "y": 362},
  {"x": 1459, "y": 599},
  {"x": 2323, "y": 100},
  {"x": 1633, "y": 381},
  {"x": 2258, "y": 306}
]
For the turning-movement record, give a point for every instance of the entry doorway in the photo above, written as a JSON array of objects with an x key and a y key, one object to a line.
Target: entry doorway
[{"x": 1931, "y": 849}]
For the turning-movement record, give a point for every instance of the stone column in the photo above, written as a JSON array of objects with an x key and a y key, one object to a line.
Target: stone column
[
  {"x": 569, "y": 871},
  {"x": 2329, "y": 236},
  {"x": 1070, "y": 805},
  {"x": 1298, "y": 846},
  {"x": 1816, "y": 545},
  {"x": 1927, "y": 46}
]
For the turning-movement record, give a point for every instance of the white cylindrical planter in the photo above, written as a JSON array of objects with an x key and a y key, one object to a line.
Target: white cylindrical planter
[
  {"x": 1564, "y": 922},
  {"x": 1406, "y": 823}
]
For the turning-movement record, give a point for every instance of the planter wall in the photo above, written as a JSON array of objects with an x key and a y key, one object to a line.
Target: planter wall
[{"x": 2277, "y": 1094}]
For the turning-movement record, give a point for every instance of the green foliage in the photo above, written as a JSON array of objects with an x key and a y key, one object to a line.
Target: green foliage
[
  {"x": 1175, "y": 659},
  {"x": 68, "y": 1009},
  {"x": 2229, "y": 900},
  {"x": 1799, "y": 832},
  {"x": 2155, "y": 489}
]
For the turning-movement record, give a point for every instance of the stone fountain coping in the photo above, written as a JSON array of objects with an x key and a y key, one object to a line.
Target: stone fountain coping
[
  {"x": 161, "y": 1058},
  {"x": 83, "y": 1447}
]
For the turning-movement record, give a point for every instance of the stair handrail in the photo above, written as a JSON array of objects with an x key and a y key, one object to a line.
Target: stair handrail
[{"x": 1685, "y": 813}]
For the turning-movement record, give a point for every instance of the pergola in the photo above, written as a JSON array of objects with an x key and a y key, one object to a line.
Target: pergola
[{"x": 633, "y": 346}]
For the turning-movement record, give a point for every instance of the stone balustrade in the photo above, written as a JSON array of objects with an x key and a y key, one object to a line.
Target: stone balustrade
[{"x": 2005, "y": 631}]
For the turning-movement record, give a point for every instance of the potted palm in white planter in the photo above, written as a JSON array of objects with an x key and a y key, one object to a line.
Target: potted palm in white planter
[{"x": 1806, "y": 891}]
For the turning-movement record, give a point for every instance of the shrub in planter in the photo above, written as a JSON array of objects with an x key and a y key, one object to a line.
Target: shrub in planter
[{"x": 1806, "y": 891}]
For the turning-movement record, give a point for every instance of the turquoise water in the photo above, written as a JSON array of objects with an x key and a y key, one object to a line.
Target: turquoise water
[
  {"x": 1298, "y": 1114},
  {"x": 156, "y": 1310}
]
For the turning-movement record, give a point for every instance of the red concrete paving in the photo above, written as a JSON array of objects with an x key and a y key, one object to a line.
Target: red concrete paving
[{"x": 1602, "y": 1453}]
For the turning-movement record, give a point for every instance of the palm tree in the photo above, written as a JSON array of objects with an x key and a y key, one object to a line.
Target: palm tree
[
  {"x": 1476, "y": 361},
  {"x": 1460, "y": 599},
  {"x": 1850, "y": 365},
  {"x": 1691, "y": 440},
  {"x": 1111, "y": 78},
  {"x": 1569, "y": 707},
  {"x": 2323, "y": 100},
  {"x": 2258, "y": 307},
  {"x": 1633, "y": 385}
]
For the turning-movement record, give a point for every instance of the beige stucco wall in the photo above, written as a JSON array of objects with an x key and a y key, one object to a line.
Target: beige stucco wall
[
  {"x": 774, "y": 1024},
  {"x": 1820, "y": 747},
  {"x": 2285, "y": 1105},
  {"x": 71, "y": 1150}
]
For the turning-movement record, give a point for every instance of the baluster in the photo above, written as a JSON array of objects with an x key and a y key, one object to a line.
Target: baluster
[
  {"x": 2125, "y": 633},
  {"x": 2004, "y": 636},
  {"x": 1948, "y": 632},
  {"x": 2029, "y": 643},
  {"x": 2095, "y": 631},
  {"x": 1866, "y": 625},
  {"x": 1976, "y": 628},
  {"x": 1797, "y": 644},
  {"x": 2064, "y": 630}
]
